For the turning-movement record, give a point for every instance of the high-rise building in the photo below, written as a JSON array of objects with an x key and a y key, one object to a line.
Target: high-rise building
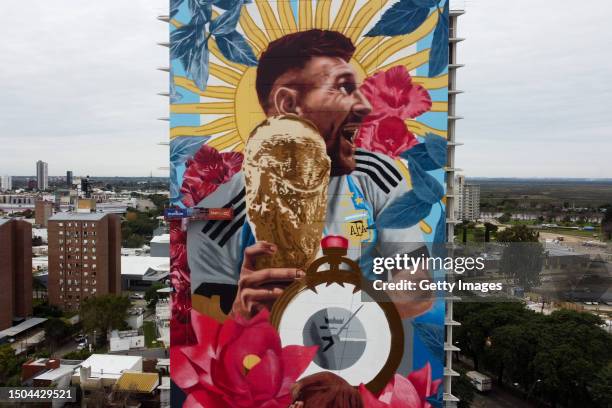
[
  {"x": 69, "y": 178},
  {"x": 450, "y": 401},
  {"x": 6, "y": 183},
  {"x": 15, "y": 271},
  {"x": 42, "y": 175},
  {"x": 43, "y": 210},
  {"x": 468, "y": 200},
  {"x": 84, "y": 257}
]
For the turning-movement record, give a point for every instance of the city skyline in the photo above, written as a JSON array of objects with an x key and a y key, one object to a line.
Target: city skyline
[{"x": 96, "y": 114}]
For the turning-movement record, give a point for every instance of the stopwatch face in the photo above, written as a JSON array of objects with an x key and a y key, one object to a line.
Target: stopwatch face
[{"x": 354, "y": 333}]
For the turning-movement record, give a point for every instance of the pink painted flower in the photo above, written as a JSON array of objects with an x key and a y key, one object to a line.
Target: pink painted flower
[
  {"x": 392, "y": 93},
  {"x": 394, "y": 99},
  {"x": 389, "y": 135},
  {"x": 206, "y": 171},
  {"x": 404, "y": 392},
  {"x": 237, "y": 364}
]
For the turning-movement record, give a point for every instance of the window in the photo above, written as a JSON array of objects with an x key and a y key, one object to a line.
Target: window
[
  {"x": 61, "y": 256},
  {"x": 61, "y": 224},
  {"x": 61, "y": 232}
]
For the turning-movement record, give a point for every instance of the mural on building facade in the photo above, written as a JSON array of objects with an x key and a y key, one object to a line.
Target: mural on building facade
[{"x": 322, "y": 126}]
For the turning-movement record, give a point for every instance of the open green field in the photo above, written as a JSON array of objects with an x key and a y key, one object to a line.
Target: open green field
[{"x": 580, "y": 193}]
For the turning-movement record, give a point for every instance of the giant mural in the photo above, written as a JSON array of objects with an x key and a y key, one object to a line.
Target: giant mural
[{"x": 306, "y": 139}]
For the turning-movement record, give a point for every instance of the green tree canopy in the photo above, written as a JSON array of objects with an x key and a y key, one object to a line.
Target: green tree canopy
[
  {"x": 151, "y": 295},
  {"x": 104, "y": 313}
]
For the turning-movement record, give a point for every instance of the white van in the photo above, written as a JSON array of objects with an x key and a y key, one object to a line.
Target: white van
[{"x": 480, "y": 381}]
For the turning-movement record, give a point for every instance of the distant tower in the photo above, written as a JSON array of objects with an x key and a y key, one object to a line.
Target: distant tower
[
  {"x": 6, "y": 183},
  {"x": 85, "y": 187},
  {"x": 69, "y": 178},
  {"x": 42, "y": 175}
]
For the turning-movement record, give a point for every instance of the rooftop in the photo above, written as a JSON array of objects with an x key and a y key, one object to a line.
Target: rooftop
[
  {"x": 161, "y": 239},
  {"x": 144, "y": 265},
  {"x": 74, "y": 216},
  {"x": 21, "y": 327},
  {"x": 138, "y": 382},
  {"x": 111, "y": 365},
  {"x": 56, "y": 373}
]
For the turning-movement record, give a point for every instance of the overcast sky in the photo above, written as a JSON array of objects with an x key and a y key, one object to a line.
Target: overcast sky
[
  {"x": 78, "y": 88},
  {"x": 78, "y": 84}
]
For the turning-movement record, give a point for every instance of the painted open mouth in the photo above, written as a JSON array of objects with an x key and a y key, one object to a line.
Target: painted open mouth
[{"x": 349, "y": 131}]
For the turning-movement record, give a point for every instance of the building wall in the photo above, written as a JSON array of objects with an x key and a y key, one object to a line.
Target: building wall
[
  {"x": 6, "y": 274},
  {"x": 43, "y": 210},
  {"x": 15, "y": 271},
  {"x": 83, "y": 260},
  {"x": 23, "y": 269},
  {"x": 42, "y": 179}
]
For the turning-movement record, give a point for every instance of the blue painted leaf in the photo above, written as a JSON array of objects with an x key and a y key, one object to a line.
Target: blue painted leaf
[
  {"x": 426, "y": 3},
  {"x": 175, "y": 96},
  {"x": 436, "y": 400},
  {"x": 183, "y": 148},
  {"x": 183, "y": 40},
  {"x": 226, "y": 22},
  {"x": 402, "y": 18},
  {"x": 174, "y": 7},
  {"x": 420, "y": 155},
  {"x": 235, "y": 48},
  {"x": 432, "y": 335},
  {"x": 201, "y": 11},
  {"x": 175, "y": 184},
  {"x": 440, "y": 233},
  {"x": 425, "y": 186},
  {"x": 196, "y": 64},
  {"x": 228, "y": 4},
  {"x": 438, "y": 56},
  {"x": 437, "y": 148},
  {"x": 405, "y": 211}
]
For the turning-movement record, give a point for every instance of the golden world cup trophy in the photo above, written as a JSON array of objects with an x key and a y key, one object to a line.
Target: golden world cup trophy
[{"x": 286, "y": 170}]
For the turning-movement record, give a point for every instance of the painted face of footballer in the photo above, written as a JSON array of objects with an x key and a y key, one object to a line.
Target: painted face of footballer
[{"x": 330, "y": 98}]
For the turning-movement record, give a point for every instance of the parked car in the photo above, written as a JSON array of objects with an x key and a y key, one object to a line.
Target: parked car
[{"x": 136, "y": 296}]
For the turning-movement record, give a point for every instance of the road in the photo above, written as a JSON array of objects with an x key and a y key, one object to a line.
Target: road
[{"x": 499, "y": 398}]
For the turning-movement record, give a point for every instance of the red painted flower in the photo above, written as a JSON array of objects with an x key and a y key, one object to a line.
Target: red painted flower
[
  {"x": 404, "y": 392},
  {"x": 206, "y": 171},
  {"x": 239, "y": 364},
  {"x": 178, "y": 245},
  {"x": 394, "y": 99}
]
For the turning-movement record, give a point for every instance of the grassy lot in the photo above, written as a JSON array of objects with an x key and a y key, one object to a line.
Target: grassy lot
[
  {"x": 148, "y": 328},
  {"x": 576, "y": 233}
]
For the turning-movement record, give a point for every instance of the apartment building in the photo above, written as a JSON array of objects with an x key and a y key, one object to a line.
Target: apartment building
[
  {"x": 15, "y": 271},
  {"x": 84, "y": 257}
]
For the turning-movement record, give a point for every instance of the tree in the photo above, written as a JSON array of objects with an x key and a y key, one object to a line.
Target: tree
[
  {"x": 151, "y": 295},
  {"x": 488, "y": 229},
  {"x": 505, "y": 218},
  {"x": 463, "y": 389},
  {"x": 601, "y": 390},
  {"x": 10, "y": 364},
  {"x": 56, "y": 330},
  {"x": 523, "y": 256},
  {"x": 606, "y": 223},
  {"x": 104, "y": 313},
  {"x": 47, "y": 310}
]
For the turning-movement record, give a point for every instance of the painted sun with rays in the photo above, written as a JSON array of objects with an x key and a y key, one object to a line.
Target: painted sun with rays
[{"x": 229, "y": 103}]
